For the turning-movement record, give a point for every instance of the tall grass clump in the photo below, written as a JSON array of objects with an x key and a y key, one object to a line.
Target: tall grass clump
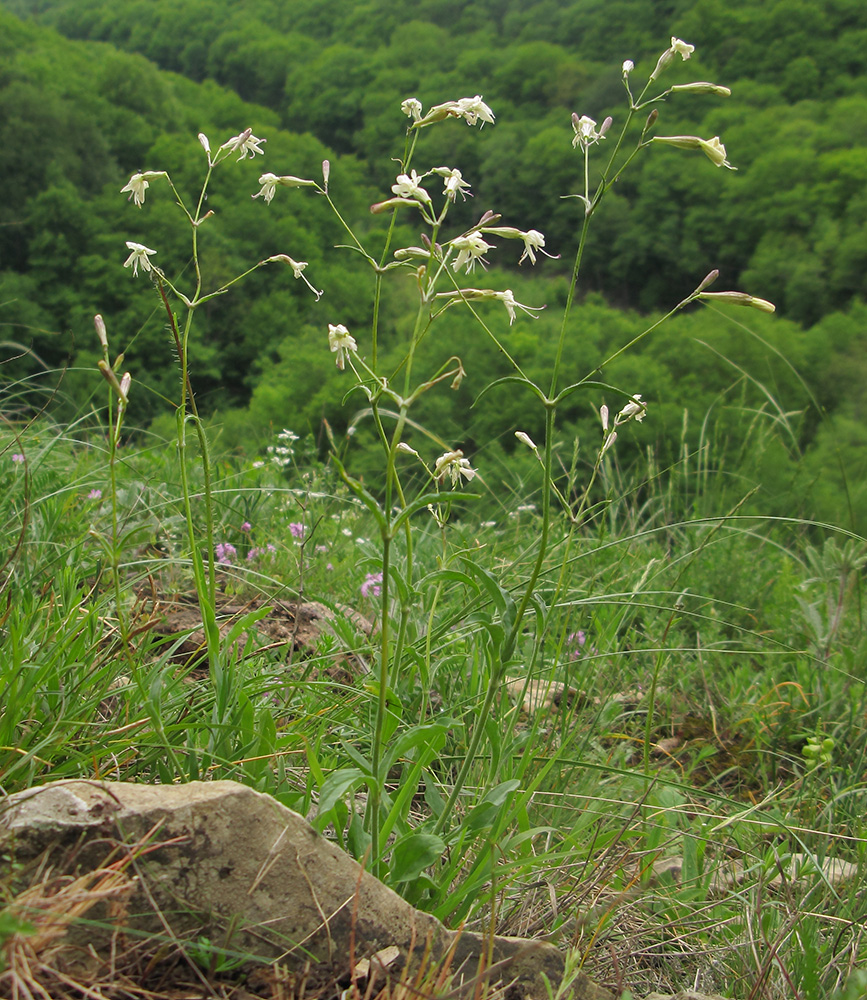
[{"x": 502, "y": 740}]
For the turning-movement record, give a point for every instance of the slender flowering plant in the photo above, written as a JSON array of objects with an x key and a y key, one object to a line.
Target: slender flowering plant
[
  {"x": 170, "y": 293},
  {"x": 424, "y": 474}
]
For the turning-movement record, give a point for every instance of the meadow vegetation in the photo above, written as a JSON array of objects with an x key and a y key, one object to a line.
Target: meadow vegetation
[{"x": 604, "y": 681}]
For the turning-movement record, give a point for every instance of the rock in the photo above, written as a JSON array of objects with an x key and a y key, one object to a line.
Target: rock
[{"x": 221, "y": 861}]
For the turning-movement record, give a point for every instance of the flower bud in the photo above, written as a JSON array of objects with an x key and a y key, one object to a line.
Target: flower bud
[
  {"x": 99, "y": 323},
  {"x": 740, "y": 299},
  {"x": 651, "y": 119},
  {"x": 701, "y": 88},
  {"x": 326, "y": 172},
  {"x": 628, "y": 67},
  {"x": 526, "y": 439},
  {"x": 708, "y": 279}
]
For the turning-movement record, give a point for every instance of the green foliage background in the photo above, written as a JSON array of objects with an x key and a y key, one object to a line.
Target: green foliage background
[{"x": 130, "y": 85}]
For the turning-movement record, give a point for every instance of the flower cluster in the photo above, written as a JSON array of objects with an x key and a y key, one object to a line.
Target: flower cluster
[
  {"x": 297, "y": 529},
  {"x": 634, "y": 409},
  {"x": 281, "y": 454},
  {"x": 372, "y": 586},
  {"x": 259, "y": 553},
  {"x": 225, "y": 552},
  {"x": 340, "y": 341},
  {"x": 586, "y": 134},
  {"x": 472, "y": 109},
  {"x": 453, "y": 465}
]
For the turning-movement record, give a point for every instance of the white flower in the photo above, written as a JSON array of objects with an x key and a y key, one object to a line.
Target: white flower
[
  {"x": 681, "y": 48},
  {"x": 475, "y": 294},
  {"x": 628, "y": 67},
  {"x": 634, "y": 408},
  {"x": 527, "y": 440},
  {"x": 269, "y": 186},
  {"x": 471, "y": 248},
  {"x": 244, "y": 143},
  {"x": 678, "y": 48},
  {"x": 409, "y": 186},
  {"x": 716, "y": 152},
  {"x": 474, "y": 109},
  {"x": 340, "y": 340},
  {"x": 297, "y": 266},
  {"x": 533, "y": 241},
  {"x": 454, "y": 182},
  {"x": 585, "y": 131},
  {"x": 138, "y": 257},
  {"x": 203, "y": 139},
  {"x": 407, "y": 449},
  {"x": 712, "y": 148},
  {"x": 139, "y": 183},
  {"x": 454, "y": 465},
  {"x": 508, "y": 299},
  {"x": 411, "y": 107},
  {"x": 603, "y": 416}
]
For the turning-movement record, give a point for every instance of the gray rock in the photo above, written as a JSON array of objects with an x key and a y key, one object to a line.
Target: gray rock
[{"x": 219, "y": 860}]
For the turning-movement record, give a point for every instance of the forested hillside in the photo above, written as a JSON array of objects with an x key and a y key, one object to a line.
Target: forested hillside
[
  {"x": 136, "y": 81},
  {"x": 791, "y": 221}
]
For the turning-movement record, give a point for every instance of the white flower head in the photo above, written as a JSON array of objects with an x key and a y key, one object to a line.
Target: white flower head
[
  {"x": 411, "y": 107},
  {"x": 244, "y": 143},
  {"x": 269, "y": 184},
  {"x": 678, "y": 47},
  {"x": 139, "y": 183},
  {"x": 634, "y": 408},
  {"x": 628, "y": 67},
  {"x": 712, "y": 148},
  {"x": 481, "y": 294},
  {"x": 585, "y": 130},
  {"x": 474, "y": 109},
  {"x": 298, "y": 267},
  {"x": 409, "y": 186},
  {"x": 139, "y": 257},
  {"x": 533, "y": 241},
  {"x": 510, "y": 302},
  {"x": 681, "y": 48},
  {"x": 340, "y": 340},
  {"x": 454, "y": 182},
  {"x": 471, "y": 248},
  {"x": 454, "y": 465}
]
